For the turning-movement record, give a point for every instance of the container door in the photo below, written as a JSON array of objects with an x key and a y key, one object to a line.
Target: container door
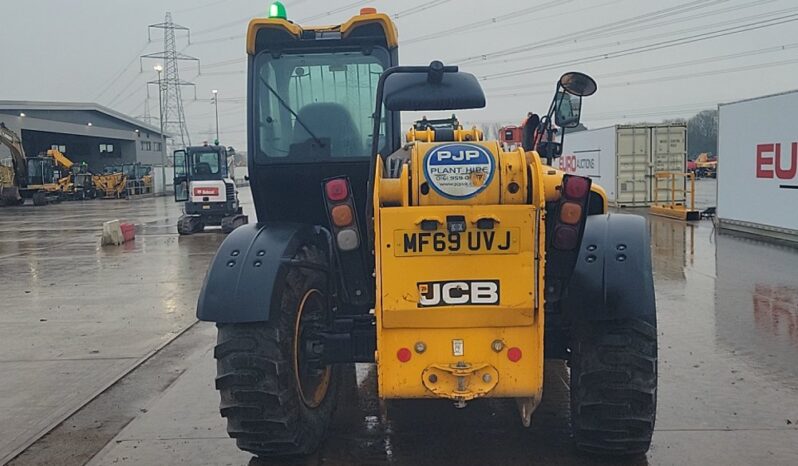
[
  {"x": 633, "y": 166},
  {"x": 669, "y": 154}
]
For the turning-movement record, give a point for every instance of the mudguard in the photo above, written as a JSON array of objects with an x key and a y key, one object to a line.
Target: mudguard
[
  {"x": 252, "y": 259},
  {"x": 613, "y": 276}
]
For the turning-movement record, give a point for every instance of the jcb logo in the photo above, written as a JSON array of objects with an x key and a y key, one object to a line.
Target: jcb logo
[
  {"x": 458, "y": 293},
  {"x": 458, "y": 156}
]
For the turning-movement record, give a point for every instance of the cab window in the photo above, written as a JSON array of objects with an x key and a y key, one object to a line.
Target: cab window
[{"x": 317, "y": 106}]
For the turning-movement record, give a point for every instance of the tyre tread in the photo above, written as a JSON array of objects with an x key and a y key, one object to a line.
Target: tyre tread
[
  {"x": 614, "y": 386},
  {"x": 255, "y": 379}
]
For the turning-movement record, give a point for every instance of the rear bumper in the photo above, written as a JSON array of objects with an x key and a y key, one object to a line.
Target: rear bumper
[
  {"x": 461, "y": 364},
  {"x": 212, "y": 211}
]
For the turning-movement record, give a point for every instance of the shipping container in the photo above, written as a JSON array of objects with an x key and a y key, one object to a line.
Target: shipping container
[
  {"x": 758, "y": 166},
  {"x": 624, "y": 158}
]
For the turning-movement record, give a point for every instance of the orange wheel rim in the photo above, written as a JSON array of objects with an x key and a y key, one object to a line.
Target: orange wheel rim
[{"x": 312, "y": 388}]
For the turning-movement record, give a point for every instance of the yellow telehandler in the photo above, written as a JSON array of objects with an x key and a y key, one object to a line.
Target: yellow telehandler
[{"x": 455, "y": 266}]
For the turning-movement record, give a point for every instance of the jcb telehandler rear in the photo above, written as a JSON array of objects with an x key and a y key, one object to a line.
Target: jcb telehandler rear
[{"x": 453, "y": 265}]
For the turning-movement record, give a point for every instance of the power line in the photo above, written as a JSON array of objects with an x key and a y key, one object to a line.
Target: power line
[
  {"x": 401, "y": 13},
  {"x": 487, "y": 21},
  {"x": 615, "y": 26},
  {"x": 669, "y": 66},
  {"x": 602, "y": 46},
  {"x": 650, "y": 47},
  {"x": 113, "y": 80},
  {"x": 335, "y": 10},
  {"x": 657, "y": 80},
  {"x": 124, "y": 89},
  {"x": 424, "y": 6}
]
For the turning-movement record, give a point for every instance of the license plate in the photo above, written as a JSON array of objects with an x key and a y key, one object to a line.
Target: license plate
[
  {"x": 436, "y": 243},
  {"x": 206, "y": 207}
]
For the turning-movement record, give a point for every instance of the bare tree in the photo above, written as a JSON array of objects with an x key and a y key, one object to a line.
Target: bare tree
[{"x": 702, "y": 133}]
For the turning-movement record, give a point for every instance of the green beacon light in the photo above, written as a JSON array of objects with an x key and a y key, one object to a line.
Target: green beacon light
[{"x": 277, "y": 10}]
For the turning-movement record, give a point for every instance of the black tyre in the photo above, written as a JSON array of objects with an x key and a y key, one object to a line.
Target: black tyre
[
  {"x": 227, "y": 225},
  {"x": 276, "y": 400},
  {"x": 231, "y": 223},
  {"x": 184, "y": 226},
  {"x": 614, "y": 386},
  {"x": 39, "y": 198},
  {"x": 188, "y": 225}
]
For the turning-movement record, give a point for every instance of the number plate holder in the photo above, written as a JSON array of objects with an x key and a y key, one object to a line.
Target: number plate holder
[{"x": 441, "y": 243}]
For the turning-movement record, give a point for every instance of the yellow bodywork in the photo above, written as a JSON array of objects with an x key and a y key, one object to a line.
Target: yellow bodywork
[
  {"x": 428, "y": 135},
  {"x": 61, "y": 160},
  {"x": 380, "y": 19},
  {"x": 6, "y": 177},
  {"x": 460, "y": 352},
  {"x": 111, "y": 184}
]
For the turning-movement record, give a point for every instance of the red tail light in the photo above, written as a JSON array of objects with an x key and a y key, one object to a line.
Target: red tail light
[
  {"x": 571, "y": 213},
  {"x": 336, "y": 190},
  {"x": 576, "y": 187},
  {"x": 348, "y": 238}
]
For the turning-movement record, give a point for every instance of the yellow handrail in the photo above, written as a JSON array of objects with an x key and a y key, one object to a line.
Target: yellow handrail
[{"x": 671, "y": 178}]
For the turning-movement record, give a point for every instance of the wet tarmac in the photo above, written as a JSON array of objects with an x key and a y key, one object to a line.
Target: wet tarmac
[
  {"x": 728, "y": 385},
  {"x": 76, "y": 316}
]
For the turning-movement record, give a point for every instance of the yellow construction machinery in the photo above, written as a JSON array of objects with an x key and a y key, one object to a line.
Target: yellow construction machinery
[
  {"x": 453, "y": 265},
  {"x": 704, "y": 166},
  {"x": 49, "y": 177},
  {"x": 111, "y": 183}
]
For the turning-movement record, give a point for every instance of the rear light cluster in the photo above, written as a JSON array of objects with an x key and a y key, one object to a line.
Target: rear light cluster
[
  {"x": 571, "y": 212},
  {"x": 341, "y": 209},
  {"x": 514, "y": 353}
]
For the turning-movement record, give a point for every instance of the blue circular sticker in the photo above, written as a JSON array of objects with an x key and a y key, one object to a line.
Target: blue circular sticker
[{"x": 459, "y": 171}]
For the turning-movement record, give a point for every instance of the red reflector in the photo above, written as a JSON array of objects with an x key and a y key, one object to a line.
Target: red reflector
[
  {"x": 514, "y": 354},
  {"x": 576, "y": 187},
  {"x": 565, "y": 237},
  {"x": 336, "y": 190},
  {"x": 404, "y": 354}
]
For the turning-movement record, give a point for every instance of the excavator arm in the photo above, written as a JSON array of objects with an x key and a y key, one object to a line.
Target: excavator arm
[
  {"x": 10, "y": 139},
  {"x": 61, "y": 160}
]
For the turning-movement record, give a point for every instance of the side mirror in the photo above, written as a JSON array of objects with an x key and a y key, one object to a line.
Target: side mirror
[
  {"x": 578, "y": 84},
  {"x": 568, "y": 110}
]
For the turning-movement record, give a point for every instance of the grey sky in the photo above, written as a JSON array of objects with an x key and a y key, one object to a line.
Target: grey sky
[{"x": 71, "y": 50}]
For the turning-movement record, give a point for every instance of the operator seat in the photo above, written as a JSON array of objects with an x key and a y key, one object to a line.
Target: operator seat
[
  {"x": 203, "y": 169},
  {"x": 328, "y": 121}
]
